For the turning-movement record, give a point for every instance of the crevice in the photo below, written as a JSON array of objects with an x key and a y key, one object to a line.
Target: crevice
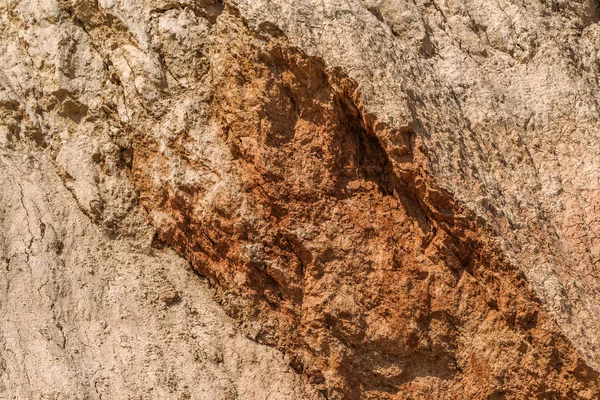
[{"x": 323, "y": 168}]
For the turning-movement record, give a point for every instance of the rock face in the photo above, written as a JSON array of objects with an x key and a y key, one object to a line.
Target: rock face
[
  {"x": 401, "y": 196},
  {"x": 88, "y": 317}
]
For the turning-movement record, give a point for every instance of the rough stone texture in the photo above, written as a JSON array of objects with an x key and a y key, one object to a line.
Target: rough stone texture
[
  {"x": 90, "y": 307},
  {"x": 89, "y": 317},
  {"x": 402, "y": 196}
]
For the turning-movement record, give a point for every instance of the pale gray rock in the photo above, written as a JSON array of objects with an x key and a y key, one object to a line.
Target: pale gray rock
[{"x": 89, "y": 317}]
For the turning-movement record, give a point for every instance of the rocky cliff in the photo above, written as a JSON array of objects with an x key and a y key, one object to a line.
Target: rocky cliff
[{"x": 377, "y": 199}]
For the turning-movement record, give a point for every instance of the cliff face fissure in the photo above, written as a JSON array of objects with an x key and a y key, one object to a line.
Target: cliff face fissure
[{"x": 333, "y": 245}]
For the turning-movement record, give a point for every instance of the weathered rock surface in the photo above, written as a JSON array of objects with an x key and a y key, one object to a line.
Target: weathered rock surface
[
  {"x": 89, "y": 317},
  {"x": 401, "y": 196}
]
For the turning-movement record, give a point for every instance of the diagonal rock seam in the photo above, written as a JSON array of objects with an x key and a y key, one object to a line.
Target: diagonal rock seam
[{"x": 453, "y": 237}]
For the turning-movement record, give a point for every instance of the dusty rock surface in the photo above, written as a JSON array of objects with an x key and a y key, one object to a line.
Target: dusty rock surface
[
  {"x": 85, "y": 316},
  {"x": 401, "y": 196}
]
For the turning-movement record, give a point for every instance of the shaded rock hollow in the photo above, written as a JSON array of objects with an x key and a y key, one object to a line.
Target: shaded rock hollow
[{"x": 342, "y": 253}]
